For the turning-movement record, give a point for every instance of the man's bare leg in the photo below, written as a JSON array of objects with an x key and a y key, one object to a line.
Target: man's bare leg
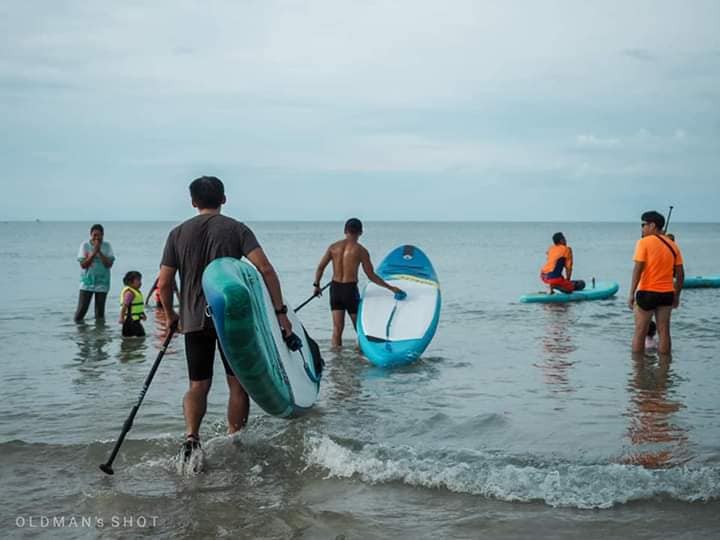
[
  {"x": 195, "y": 405},
  {"x": 642, "y": 323},
  {"x": 353, "y": 318},
  {"x": 662, "y": 320},
  {"x": 238, "y": 405},
  {"x": 338, "y": 317}
]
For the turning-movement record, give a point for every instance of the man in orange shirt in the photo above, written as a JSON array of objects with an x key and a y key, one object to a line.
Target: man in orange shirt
[
  {"x": 653, "y": 289},
  {"x": 559, "y": 259}
]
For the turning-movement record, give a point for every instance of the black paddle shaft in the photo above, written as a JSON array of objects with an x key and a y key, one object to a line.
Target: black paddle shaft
[
  {"x": 127, "y": 426},
  {"x": 667, "y": 221},
  {"x": 310, "y": 299}
]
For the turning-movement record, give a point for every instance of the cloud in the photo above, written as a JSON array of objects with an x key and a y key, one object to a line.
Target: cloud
[
  {"x": 640, "y": 54},
  {"x": 514, "y": 98},
  {"x": 593, "y": 141}
]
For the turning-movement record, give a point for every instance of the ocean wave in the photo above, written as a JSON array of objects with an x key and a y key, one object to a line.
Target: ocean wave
[{"x": 584, "y": 486}]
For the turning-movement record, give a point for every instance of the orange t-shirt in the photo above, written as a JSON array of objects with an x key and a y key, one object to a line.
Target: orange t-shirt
[
  {"x": 558, "y": 257},
  {"x": 659, "y": 263}
]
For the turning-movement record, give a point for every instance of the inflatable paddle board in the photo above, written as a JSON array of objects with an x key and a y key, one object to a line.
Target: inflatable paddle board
[
  {"x": 392, "y": 331},
  {"x": 701, "y": 282},
  {"x": 602, "y": 290},
  {"x": 282, "y": 381}
]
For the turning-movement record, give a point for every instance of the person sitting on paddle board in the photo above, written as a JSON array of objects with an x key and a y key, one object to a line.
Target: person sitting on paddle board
[
  {"x": 347, "y": 255},
  {"x": 190, "y": 247},
  {"x": 653, "y": 289},
  {"x": 559, "y": 260},
  {"x": 133, "y": 307}
]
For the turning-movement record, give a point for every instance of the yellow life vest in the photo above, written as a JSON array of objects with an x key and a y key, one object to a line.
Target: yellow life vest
[{"x": 137, "y": 307}]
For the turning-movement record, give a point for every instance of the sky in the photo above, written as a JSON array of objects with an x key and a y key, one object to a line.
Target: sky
[{"x": 384, "y": 110}]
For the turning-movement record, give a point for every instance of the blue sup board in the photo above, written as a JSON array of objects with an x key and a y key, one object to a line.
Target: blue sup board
[
  {"x": 395, "y": 331},
  {"x": 281, "y": 375},
  {"x": 602, "y": 290},
  {"x": 701, "y": 282}
]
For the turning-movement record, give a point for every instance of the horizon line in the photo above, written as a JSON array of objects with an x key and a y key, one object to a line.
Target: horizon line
[{"x": 38, "y": 220}]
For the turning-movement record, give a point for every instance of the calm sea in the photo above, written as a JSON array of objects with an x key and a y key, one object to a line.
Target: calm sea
[{"x": 520, "y": 421}]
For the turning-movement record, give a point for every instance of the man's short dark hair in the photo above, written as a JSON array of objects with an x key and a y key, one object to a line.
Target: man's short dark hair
[
  {"x": 207, "y": 192},
  {"x": 97, "y": 227},
  {"x": 353, "y": 226},
  {"x": 131, "y": 276},
  {"x": 558, "y": 237},
  {"x": 654, "y": 217}
]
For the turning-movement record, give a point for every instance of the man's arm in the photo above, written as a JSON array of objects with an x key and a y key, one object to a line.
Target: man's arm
[
  {"x": 86, "y": 259},
  {"x": 372, "y": 276},
  {"x": 165, "y": 281},
  {"x": 152, "y": 290},
  {"x": 679, "y": 282},
  {"x": 124, "y": 309},
  {"x": 107, "y": 261},
  {"x": 319, "y": 272},
  {"x": 260, "y": 261},
  {"x": 569, "y": 265},
  {"x": 637, "y": 272}
]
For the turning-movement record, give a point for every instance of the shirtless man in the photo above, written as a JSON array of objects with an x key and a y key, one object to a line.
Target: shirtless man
[{"x": 347, "y": 255}]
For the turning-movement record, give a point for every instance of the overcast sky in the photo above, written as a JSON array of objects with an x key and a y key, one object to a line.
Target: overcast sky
[{"x": 318, "y": 110}]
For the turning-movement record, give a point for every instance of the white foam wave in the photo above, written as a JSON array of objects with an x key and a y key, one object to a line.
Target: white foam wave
[{"x": 558, "y": 485}]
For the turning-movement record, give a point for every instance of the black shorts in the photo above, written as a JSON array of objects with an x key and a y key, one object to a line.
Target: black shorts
[
  {"x": 200, "y": 354},
  {"x": 650, "y": 301},
  {"x": 344, "y": 296},
  {"x": 131, "y": 328}
]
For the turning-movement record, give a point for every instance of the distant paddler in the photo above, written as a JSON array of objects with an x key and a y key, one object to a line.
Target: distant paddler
[{"x": 558, "y": 268}]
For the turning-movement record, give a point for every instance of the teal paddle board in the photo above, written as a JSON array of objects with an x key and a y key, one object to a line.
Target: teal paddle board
[
  {"x": 601, "y": 290},
  {"x": 701, "y": 282}
]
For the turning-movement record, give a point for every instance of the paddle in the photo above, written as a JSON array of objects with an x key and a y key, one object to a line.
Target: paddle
[
  {"x": 667, "y": 222},
  {"x": 306, "y": 302},
  {"x": 107, "y": 467}
]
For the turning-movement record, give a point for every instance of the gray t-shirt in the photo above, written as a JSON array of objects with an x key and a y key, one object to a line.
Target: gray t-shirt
[{"x": 191, "y": 246}]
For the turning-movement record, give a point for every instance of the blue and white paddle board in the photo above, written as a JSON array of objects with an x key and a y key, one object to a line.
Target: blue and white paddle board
[
  {"x": 601, "y": 290},
  {"x": 394, "y": 332},
  {"x": 701, "y": 282}
]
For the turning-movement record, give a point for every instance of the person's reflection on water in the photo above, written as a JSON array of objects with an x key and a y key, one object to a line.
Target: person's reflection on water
[
  {"x": 657, "y": 441},
  {"x": 132, "y": 350},
  {"x": 92, "y": 341},
  {"x": 557, "y": 346},
  {"x": 160, "y": 331}
]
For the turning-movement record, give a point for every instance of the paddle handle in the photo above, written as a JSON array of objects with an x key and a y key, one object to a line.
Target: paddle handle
[{"x": 306, "y": 302}]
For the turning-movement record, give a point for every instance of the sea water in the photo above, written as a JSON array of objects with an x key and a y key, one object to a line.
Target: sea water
[{"x": 518, "y": 421}]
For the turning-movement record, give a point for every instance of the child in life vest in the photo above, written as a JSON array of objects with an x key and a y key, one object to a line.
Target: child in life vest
[{"x": 133, "y": 306}]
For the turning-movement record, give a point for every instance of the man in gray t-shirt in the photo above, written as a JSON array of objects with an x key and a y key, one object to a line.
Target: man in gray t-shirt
[{"x": 190, "y": 247}]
